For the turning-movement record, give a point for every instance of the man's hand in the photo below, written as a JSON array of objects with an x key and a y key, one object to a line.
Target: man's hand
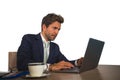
[
  {"x": 79, "y": 61},
  {"x": 60, "y": 65}
]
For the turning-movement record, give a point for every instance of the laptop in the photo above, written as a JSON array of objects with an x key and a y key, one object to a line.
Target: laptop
[{"x": 91, "y": 57}]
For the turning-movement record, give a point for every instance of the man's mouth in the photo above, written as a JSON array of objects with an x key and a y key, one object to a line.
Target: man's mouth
[{"x": 53, "y": 35}]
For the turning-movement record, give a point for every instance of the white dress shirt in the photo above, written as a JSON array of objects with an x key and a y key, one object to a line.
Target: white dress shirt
[{"x": 48, "y": 50}]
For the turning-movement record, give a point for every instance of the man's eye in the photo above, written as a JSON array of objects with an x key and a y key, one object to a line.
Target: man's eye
[{"x": 55, "y": 28}]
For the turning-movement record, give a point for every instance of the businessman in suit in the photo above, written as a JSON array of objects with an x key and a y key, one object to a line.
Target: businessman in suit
[{"x": 33, "y": 46}]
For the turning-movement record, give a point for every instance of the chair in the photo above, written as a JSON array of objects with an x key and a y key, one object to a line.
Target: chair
[{"x": 12, "y": 63}]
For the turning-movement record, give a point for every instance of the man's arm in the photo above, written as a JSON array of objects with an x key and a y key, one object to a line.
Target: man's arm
[{"x": 23, "y": 54}]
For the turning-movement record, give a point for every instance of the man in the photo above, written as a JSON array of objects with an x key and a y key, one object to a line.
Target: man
[{"x": 33, "y": 47}]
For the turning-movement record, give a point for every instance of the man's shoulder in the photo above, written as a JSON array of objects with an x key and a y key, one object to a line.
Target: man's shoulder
[{"x": 31, "y": 36}]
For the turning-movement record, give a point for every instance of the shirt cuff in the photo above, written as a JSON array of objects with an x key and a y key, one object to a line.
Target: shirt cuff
[
  {"x": 76, "y": 63},
  {"x": 47, "y": 67}
]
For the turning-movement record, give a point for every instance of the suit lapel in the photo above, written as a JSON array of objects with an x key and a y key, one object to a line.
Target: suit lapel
[
  {"x": 50, "y": 58},
  {"x": 40, "y": 46}
]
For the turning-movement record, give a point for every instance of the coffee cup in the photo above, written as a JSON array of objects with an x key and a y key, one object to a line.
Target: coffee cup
[{"x": 36, "y": 69}]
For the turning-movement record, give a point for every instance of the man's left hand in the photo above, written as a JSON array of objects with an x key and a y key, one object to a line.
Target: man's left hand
[{"x": 79, "y": 61}]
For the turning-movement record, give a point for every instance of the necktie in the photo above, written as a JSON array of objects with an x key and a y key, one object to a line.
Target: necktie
[{"x": 46, "y": 45}]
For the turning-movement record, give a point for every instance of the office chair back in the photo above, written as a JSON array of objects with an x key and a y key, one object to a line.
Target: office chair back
[{"x": 12, "y": 63}]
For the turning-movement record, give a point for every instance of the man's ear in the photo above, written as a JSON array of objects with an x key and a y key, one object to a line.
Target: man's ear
[{"x": 44, "y": 27}]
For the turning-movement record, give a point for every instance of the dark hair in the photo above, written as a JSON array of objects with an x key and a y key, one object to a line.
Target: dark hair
[{"x": 50, "y": 18}]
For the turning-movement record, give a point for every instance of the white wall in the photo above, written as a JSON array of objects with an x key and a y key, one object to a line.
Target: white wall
[{"x": 98, "y": 19}]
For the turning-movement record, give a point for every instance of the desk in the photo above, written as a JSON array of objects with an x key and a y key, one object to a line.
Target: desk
[{"x": 102, "y": 72}]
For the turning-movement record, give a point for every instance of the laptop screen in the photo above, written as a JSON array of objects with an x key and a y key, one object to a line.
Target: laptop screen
[{"x": 92, "y": 54}]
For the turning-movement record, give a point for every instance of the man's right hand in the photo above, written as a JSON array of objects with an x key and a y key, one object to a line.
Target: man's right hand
[{"x": 60, "y": 65}]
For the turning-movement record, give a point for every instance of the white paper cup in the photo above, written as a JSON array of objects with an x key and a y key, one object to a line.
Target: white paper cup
[{"x": 36, "y": 69}]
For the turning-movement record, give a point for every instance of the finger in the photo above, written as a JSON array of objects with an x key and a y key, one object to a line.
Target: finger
[{"x": 68, "y": 64}]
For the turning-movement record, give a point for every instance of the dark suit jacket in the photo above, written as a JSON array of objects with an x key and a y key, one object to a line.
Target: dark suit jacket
[{"x": 31, "y": 50}]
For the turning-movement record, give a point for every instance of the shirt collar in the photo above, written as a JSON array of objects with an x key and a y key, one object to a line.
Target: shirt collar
[{"x": 43, "y": 39}]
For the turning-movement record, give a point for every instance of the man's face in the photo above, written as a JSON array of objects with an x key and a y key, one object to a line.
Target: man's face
[{"x": 51, "y": 31}]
